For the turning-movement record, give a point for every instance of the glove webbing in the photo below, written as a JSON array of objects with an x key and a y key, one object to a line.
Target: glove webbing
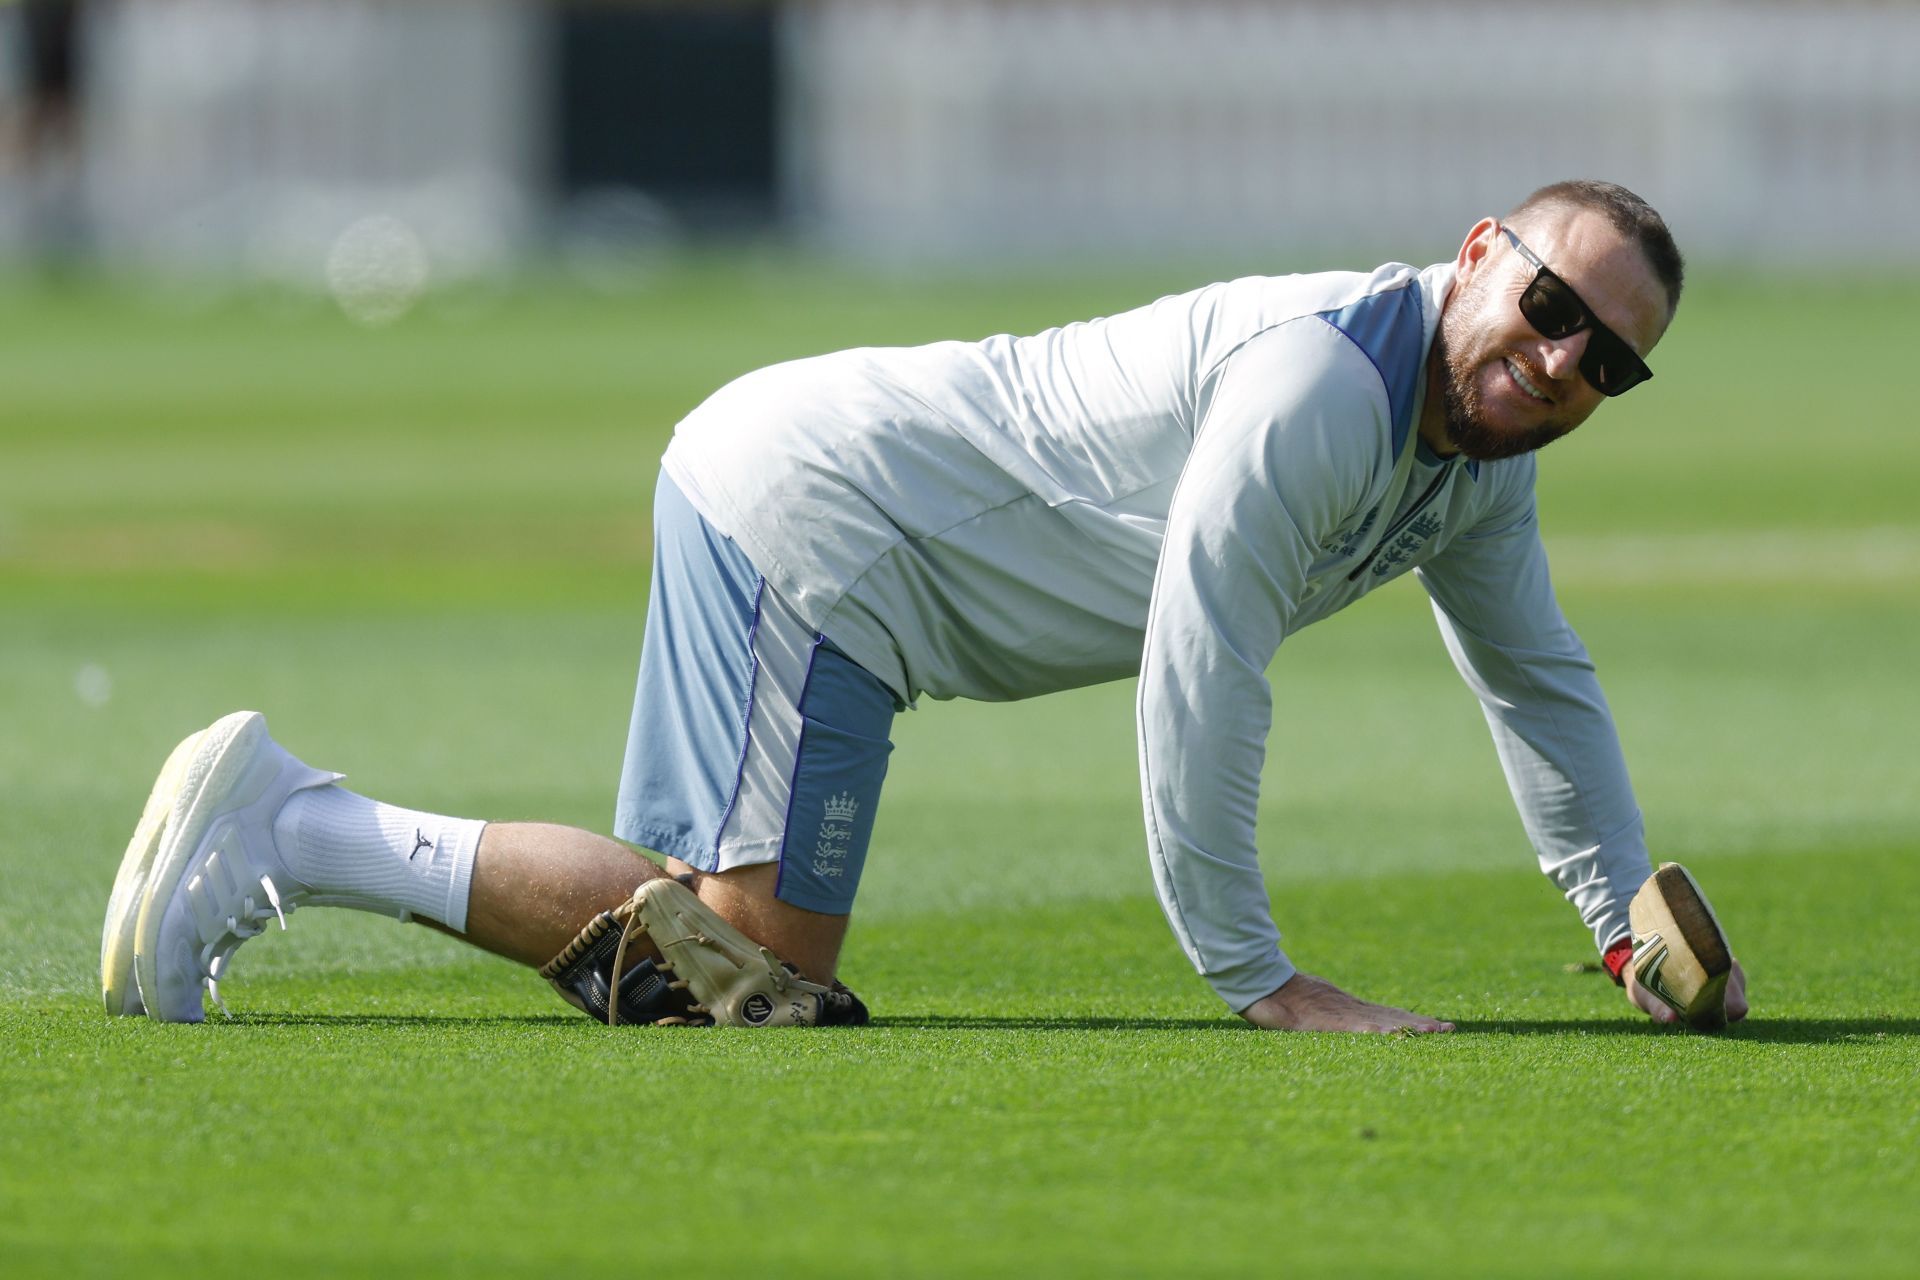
[
  {"x": 584, "y": 972},
  {"x": 630, "y": 926}
]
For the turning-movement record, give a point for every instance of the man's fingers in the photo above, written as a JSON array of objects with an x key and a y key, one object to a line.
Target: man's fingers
[
  {"x": 1413, "y": 1024},
  {"x": 1736, "y": 994},
  {"x": 1654, "y": 1009}
]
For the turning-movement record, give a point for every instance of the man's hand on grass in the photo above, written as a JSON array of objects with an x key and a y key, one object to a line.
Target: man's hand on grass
[{"x": 1307, "y": 1003}]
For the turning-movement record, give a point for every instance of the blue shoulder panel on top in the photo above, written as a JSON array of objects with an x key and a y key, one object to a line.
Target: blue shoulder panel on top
[{"x": 1387, "y": 326}]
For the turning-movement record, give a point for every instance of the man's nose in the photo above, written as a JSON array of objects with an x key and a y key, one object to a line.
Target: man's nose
[{"x": 1562, "y": 357}]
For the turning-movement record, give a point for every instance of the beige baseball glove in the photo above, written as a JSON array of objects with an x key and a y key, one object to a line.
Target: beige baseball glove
[{"x": 711, "y": 973}]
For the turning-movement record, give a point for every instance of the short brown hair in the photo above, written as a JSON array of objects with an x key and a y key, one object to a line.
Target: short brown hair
[{"x": 1631, "y": 216}]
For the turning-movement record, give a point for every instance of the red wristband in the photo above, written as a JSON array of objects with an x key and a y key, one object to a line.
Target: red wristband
[{"x": 1616, "y": 959}]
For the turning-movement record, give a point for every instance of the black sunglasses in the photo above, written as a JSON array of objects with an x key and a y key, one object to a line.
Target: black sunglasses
[{"x": 1555, "y": 310}]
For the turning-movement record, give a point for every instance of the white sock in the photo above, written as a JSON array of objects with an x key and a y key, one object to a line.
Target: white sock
[{"x": 337, "y": 842}]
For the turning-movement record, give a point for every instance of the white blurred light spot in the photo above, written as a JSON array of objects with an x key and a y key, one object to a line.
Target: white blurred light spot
[
  {"x": 377, "y": 270},
  {"x": 93, "y": 685}
]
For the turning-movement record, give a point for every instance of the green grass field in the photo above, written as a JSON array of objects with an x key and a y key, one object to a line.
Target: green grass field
[{"x": 423, "y": 552}]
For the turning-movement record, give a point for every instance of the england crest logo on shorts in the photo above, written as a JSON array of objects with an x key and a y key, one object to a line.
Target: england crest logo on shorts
[{"x": 836, "y": 835}]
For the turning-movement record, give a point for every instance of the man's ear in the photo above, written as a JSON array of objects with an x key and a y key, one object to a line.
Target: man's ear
[{"x": 1475, "y": 248}]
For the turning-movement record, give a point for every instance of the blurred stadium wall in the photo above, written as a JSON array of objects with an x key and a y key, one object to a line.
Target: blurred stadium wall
[{"x": 250, "y": 136}]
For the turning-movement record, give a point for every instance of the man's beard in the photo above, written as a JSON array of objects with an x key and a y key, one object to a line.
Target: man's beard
[{"x": 1467, "y": 426}]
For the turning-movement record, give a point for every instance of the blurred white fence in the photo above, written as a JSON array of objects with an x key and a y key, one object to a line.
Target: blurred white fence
[
  {"x": 250, "y": 132},
  {"x": 1762, "y": 130},
  {"x": 253, "y": 133}
]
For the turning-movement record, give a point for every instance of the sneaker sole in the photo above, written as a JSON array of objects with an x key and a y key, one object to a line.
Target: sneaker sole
[
  {"x": 117, "y": 987},
  {"x": 219, "y": 759}
]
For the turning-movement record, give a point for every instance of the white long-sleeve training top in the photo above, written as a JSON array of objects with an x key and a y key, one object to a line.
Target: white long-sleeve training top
[{"x": 1173, "y": 491}]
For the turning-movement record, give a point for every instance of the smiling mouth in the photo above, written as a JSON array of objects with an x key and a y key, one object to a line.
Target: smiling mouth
[{"x": 1525, "y": 383}]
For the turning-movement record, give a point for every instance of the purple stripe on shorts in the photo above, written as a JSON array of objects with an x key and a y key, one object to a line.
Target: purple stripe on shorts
[
  {"x": 799, "y": 753},
  {"x": 746, "y": 717}
]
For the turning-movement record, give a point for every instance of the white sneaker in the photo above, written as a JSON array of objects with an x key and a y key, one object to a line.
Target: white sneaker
[
  {"x": 123, "y": 908},
  {"x": 202, "y": 874}
]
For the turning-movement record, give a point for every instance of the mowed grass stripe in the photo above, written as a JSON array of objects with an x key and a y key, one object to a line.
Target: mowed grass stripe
[
  {"x": 1817, "y": 560},
  {"x": 303, "y": 552}
]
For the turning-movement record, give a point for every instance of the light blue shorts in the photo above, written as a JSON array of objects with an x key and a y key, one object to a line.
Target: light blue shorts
[{"x": 754, "y": 739}]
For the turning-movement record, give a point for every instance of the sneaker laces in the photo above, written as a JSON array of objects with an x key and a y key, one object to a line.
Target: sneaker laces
[{"x": 249, "y": 922}]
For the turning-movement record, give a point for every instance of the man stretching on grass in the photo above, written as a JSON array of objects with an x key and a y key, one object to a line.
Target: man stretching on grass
[{"x": 1170, "y": 492}]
